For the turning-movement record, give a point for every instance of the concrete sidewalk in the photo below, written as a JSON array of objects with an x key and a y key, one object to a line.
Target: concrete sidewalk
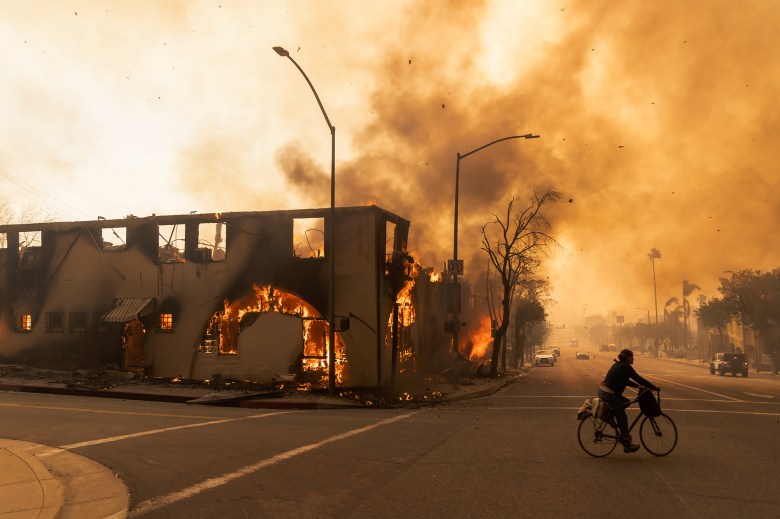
[
  {"x": 38, "y": 481},
  {"x": 42, "y": 482}
]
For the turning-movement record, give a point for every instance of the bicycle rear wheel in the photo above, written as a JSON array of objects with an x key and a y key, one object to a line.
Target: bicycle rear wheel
[
  {"x": 596, "y": 437},
  {"x": 658, "y": 434}
]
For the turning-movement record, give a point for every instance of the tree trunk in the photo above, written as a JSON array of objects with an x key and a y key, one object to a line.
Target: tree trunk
[{"x": 497, "y": 340}]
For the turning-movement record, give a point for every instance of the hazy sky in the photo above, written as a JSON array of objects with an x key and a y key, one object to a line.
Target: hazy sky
[{"x": 658, "y": 119}]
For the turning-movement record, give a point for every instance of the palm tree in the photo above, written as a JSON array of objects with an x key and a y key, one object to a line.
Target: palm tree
[{"x": 672, "y": 317}]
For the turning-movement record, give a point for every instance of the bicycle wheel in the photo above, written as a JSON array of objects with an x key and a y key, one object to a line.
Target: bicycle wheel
[
  {"x": 596, "y": 437},
  {"x": 658, "y": 434}
]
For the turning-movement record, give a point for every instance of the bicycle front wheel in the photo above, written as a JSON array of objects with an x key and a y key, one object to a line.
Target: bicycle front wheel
[
  {"x": 658, "y": 434},
  {"x": 596, "y": 437}
]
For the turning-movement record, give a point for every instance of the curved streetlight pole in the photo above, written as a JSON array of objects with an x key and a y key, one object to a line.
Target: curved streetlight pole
[
  {"x": 331, "y": 240},
  {"x": 648, "y": 320},
  {"x": 454, "y": 266}
]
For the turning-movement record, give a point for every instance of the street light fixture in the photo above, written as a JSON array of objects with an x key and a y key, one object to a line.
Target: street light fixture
[
  {"x": 648, "y": 320},
  {"x": 331, "y": 240},
  {"x": 454, "y": 266}
]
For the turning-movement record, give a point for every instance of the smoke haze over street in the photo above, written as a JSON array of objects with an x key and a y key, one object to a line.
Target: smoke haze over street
[{"x": 658, "y": 123}]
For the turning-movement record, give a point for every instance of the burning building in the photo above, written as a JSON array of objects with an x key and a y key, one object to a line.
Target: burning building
[{"x": 241, "y": 295}]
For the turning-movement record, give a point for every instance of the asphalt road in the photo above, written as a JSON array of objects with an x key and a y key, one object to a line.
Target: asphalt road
[{"x": 513, "y": 454}]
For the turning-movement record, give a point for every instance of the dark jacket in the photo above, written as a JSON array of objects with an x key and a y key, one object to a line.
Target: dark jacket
[{"x": 622, "y": 374}]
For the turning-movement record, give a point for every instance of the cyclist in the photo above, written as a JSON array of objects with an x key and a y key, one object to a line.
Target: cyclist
[{"x": 620, "y": 375}]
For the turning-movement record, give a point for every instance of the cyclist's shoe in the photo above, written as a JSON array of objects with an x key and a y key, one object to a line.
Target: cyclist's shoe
[{"x": 627, "y": 445}]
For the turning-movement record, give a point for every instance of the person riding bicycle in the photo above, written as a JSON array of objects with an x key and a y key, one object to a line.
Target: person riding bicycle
[{"x": 620, "y": 375}]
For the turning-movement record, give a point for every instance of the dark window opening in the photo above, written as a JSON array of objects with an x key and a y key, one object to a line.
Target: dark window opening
[
  {"x": 98, "y": 324},
  {"x": 78, "y": 322},
  {"x": 55, "y": 322}
]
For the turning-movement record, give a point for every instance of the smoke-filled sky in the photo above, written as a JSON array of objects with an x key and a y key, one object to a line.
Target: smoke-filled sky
[{"x": 659, "y": 120}]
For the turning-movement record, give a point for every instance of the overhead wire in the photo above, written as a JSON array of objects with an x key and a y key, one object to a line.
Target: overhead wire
[{"x": 41, "y": 197}]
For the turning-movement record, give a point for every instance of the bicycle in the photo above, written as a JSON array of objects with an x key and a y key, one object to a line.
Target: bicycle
[{"x": 658, "y": 434}]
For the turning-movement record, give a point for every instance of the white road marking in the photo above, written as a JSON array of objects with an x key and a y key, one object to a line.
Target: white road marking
[
  {"x": 760, "y": 396},
  {"x": 156, "y": 503},
  {"x": 702, "y": 390},
  {"x": 167, "y": 429},
  {"x": 105, "y": 411},
  {"x": 672, "y": 490}
]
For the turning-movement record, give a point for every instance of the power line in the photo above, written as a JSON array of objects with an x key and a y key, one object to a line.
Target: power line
[{"x": 40, "y": 196}]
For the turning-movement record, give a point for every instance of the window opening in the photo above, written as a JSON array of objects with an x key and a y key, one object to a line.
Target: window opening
[
  {"x": 309, "y": 237},
  {"x": 25, "y": 323},
  {"x": 171, "y": 243},
  {"x": 114, "y": 238},
  {"x": 30, "y": 249},
  {"x": 3, "y": 240},
  {"x": 166, "y": 322},
  {"x": 78, "y": 322},
  {"x": 55, "y": 322},
  {"x": 389, "y": 245},
  {"x": 211, "y": 242},
  {"x": 98, "y": 324}
]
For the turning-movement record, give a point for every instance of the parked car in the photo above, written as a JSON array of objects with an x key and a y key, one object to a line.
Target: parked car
[
  {"x": 729, "y": 363},
  {"x": 583, "y": 355},
  {"x": 544, "y": 357}
]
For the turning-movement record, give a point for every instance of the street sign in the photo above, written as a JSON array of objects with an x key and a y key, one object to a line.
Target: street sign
[{"x": 455, "y": 267}]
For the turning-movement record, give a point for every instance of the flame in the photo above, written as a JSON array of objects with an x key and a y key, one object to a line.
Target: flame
[
  {"x": 268, "y": 299},
  {"x": 217, "y": 215},
  {"x": 479, "y": 340},
  {"x": 436, "y": 277}
]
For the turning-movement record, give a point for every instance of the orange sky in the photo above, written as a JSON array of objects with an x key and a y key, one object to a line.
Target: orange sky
[{"x": 658, "y": 119}]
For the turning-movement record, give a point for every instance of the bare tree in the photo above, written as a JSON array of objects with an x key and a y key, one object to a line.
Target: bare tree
[{"x": 515, "y": 244}]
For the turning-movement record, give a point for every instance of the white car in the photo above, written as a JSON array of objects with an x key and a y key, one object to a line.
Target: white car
[{"x": 544, "y": 358}]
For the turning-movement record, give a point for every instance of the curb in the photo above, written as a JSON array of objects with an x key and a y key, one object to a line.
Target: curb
[{"x": 126, "y": 395}]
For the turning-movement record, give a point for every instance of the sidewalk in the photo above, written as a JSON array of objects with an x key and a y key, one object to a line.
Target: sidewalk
[
  {"x": 37, "y": 481},
  {"x": 119, "y": 385},
  {"x": 43, "y": 482}
]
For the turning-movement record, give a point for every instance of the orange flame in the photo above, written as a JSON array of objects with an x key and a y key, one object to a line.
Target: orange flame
[
  {"x": 479, "y": 341},
  {"x": 268, "y": 299}
]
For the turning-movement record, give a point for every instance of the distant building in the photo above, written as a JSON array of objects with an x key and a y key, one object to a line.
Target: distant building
[{"x": 240, "y": 295}]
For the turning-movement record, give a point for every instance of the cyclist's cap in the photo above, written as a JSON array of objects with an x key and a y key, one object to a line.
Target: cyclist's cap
[{"x": 627, "y": 352}]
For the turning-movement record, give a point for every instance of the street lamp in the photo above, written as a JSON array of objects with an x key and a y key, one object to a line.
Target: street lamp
[
  {"x": 454, "y": 266},
  {"x": 648, "y": 320},
  {"x": 331, "y": 240}
]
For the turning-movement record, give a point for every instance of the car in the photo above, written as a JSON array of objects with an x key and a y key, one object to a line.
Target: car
[
  {"x": 583, "y": 355},
  {"x": 733, "y": 363},
  {"x": 544, "y": 361},
  {"x": 544, "y": 357},
  {"x": 556, "y": 352}
]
